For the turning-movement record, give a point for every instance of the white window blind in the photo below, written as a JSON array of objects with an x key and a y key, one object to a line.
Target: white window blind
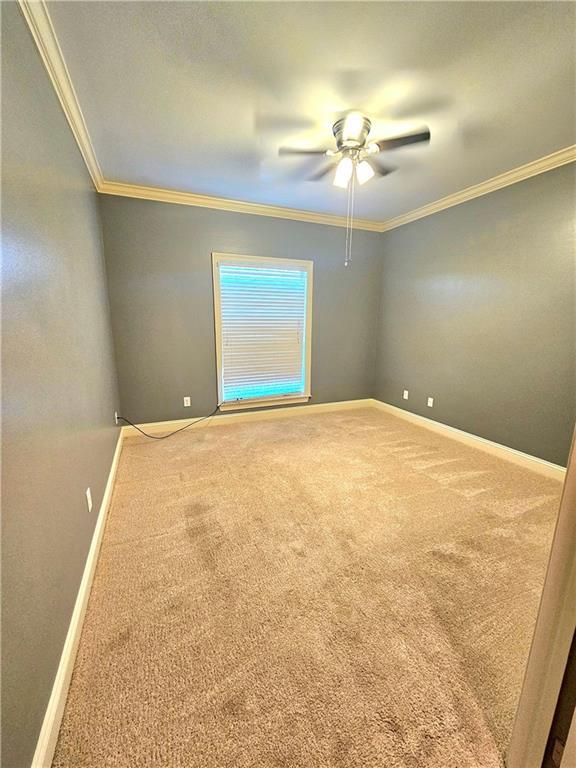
[{"x": 263, "y": 316}]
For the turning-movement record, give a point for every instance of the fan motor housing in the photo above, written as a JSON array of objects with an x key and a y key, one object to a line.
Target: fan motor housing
[{"x": 358, "y": 140}]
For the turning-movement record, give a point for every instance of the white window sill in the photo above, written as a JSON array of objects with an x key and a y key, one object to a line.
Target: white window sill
[{"x": 238, "y": 405}]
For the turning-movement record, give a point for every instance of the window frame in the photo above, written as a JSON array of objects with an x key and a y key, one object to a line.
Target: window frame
[{"x": 279, "y": 263}]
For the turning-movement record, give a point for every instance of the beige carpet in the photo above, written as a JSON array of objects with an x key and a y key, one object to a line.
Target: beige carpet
[{"x": 339, "y": 590}]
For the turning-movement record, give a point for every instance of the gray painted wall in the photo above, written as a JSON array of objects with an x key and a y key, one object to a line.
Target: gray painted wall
[
  {"x": 478, "y": 311},
  {"x": 59, "y": 384},
  {"x": 160, "y": 280},
  {"x": 475, "y": 306}
]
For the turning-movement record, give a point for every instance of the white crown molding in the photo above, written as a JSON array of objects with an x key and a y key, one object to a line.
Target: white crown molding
[
  {"x": 37, "y": 16},
  {"x": 522, "y": 172},
  {"x": 224, "y": 204},
  {"x": 546, "y": 163},
  {"x": 38, "y": 19}
]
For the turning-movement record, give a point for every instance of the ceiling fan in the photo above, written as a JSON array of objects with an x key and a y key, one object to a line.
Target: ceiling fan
[{"x": 355, "y": 155}]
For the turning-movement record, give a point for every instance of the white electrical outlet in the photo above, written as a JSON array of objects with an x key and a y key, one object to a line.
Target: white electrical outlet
[
  {"x": 186, "y": 402},
  {"x": 430, "y": 402},
  {"x": 115, "y": 417},
  {"x": 405, "y": 395},
  {"x": 89, "y": 499}
]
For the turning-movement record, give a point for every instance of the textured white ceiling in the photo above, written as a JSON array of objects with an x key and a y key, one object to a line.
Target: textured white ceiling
[{"x": 198, "y": 96}]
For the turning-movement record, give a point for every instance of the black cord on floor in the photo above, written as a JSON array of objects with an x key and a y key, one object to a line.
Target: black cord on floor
[{"x": 163, "y": 437}]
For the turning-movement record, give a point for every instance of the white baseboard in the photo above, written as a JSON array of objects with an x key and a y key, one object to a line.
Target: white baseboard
[
  {"x": 48, "y": 737},
  {"x": 502, "y": 451},
  {"x": 496, "y": 449},
  {"x": 263, "y": 414}
]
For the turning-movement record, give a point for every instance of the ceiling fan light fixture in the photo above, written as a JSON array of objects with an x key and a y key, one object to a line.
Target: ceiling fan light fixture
[
  {"x": 364, "y": 172},
  {"x": 353, "y": 127},
  {"x": 351, "y": 133},
  {"x": 344, "y": 172}
]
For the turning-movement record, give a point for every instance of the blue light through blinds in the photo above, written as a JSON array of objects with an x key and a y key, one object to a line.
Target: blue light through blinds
[{"x": 263, "y": 326}]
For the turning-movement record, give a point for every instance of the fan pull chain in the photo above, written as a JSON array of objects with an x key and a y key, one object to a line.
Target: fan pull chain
[
  {"x": 350, "y": 220},
  {"x": 347, "y": 226}
]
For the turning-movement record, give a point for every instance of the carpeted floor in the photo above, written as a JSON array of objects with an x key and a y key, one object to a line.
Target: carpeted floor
[{"x": 339, "y": 590}]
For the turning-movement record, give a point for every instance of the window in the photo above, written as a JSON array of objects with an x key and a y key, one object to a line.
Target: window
[{"x": 263, "y": 311}]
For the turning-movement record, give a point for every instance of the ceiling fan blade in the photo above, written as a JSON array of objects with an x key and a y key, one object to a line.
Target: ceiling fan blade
[
  {"x": 418, "y": 108},
  {"x": 280, "y": 122},
  {"x": 322, "y": 172},
  {"x": 354, "y": 86},
  {"x": 379, "y": 169},
  {"x": 296, "y": 151},
  {"x": 403, "y": 141}
]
